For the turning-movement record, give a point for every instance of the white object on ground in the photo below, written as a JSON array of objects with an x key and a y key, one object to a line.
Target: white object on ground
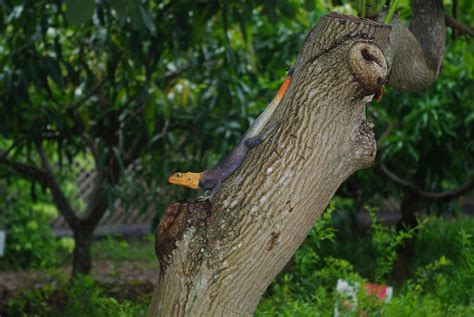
[
  {"x": 382, "y": 292},
  {"x": 2, "y": 241}
]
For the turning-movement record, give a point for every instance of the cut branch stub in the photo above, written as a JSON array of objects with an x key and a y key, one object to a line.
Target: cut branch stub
[
  {"x": 368, "y": 66},
  {"x": 219, "y": 261}
]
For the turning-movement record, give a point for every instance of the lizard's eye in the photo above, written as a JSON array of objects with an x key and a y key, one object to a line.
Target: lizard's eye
[{"x": 178, "y": 175}]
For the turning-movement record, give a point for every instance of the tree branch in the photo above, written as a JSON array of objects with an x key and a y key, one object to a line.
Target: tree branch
[
  {"x": 432, "y": 196},
  {"x": 97, "y": 202},
  {"x": 92, "y": 147},
  {"x": 416, "y": 53},
  {"x": 70, "y": 110},
  {"x": 4, "y": 154},
  {"x": 27, "y": 171},
  {"x": 59, "y": 198},
  {"x": 44, "y": 176},
  {"x": 454, "y": 12},
  {"x": 458, "y": 26}
]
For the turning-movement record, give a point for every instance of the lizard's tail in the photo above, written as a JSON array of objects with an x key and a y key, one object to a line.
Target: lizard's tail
[{"x": 283, "y": 88}]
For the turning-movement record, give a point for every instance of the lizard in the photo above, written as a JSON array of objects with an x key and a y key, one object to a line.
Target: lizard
[{"x": 211, "y": 179}]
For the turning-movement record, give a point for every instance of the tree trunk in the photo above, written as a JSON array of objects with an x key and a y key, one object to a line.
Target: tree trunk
[
  {"x": 405, "y": 252},
  {"x": 217, "y": 258},
  {"x": 82, "y": 258}
]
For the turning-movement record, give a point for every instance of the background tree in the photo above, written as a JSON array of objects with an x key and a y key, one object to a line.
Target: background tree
[{"x": 109, "y": 82}]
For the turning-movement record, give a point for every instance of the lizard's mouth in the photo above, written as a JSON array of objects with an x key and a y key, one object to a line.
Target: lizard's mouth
[{"x": 190, "y": 180}]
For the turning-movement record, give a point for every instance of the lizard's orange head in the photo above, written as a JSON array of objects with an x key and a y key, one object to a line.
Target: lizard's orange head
[{"x": 190, "y": 180}]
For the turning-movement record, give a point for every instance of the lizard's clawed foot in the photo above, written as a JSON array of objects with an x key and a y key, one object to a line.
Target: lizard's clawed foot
[
  {"x": 209, "y": 193},
  {"x": 206, "y": 196},
  {"x": 203, "y": 198}
]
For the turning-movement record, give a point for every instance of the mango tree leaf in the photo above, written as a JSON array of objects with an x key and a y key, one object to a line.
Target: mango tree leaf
[
  {"x": 147, "y": 20},
  {"x": 79, "y": 11}
]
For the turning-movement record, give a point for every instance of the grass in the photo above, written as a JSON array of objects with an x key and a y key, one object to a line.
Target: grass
[
  {"x": 442, "y": 239},
  {"x": 120, "y": 249}
]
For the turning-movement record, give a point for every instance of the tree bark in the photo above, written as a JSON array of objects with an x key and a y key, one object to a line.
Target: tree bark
[
  {"x": 415, "y": 54},
  {"x": 218, "y": 257},
  {"x": 82, "y": 257}
]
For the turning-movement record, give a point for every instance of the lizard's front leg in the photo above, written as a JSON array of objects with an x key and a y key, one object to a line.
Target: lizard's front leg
[{"x": 212, "y": 179}]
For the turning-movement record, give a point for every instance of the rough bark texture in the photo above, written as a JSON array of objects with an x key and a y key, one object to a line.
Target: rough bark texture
[{"x": 217, "y": 258}]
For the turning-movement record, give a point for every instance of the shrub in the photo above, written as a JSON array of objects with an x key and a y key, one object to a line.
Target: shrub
[
  {"x": 79, "y": 297},
  {"x": 30, "y": 241},
  {"x": 443, "y": 286}
]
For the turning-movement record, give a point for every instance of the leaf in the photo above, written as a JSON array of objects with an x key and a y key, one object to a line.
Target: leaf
[
  {"x": 121, "y": 9},
  {"x": 287, "y": 9},
  {"x": 84, "y": 117},
  {"x": 15, "y": 14},
  {"x": 135, "y": 15},
  {"x": 54, "y": 71},
  {"x": 149, "y": 114},
  {"x": 269, "y": 9},
  {"x": 240, "y": 19},
  {"x": 147, "y": 20},
  {"x": 79, "y": 11},
  {"x": 309, "y": 5}
]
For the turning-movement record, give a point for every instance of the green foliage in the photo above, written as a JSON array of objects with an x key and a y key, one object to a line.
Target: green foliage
[
  {"x": 85, "y": 299},
  {"x": 30, "y": 242},
  {"x": 79, "y": 297},
  {"x": 441, "y": 287},
  {"x": 391, "y": 11},
  {"x": 118, "y": 249},
  {"x": 442, "y": 283},
  {"x": 374, "y": 7},
  {"x": 386, "y": 241}
]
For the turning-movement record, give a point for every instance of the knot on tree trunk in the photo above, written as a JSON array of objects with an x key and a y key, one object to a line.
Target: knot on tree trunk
[
  {"x": 368, "y": 66},
  {"x": 177, "y": 218}
]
